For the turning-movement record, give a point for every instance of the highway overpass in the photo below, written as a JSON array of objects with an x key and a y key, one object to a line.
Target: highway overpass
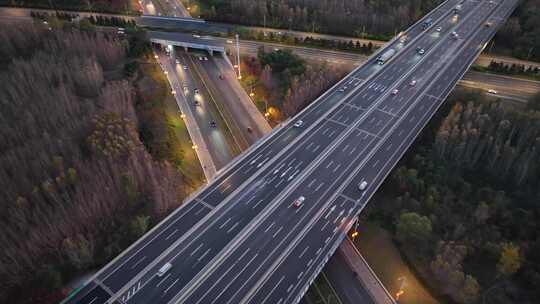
[{"x": 240, "y": 239}]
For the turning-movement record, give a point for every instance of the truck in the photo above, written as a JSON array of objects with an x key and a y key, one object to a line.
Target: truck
[
  {"x": 457, "y": 9},
  {"x": 386, "y": 56}
]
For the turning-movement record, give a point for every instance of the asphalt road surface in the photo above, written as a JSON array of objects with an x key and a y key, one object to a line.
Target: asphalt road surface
[{"x": 240, "y": 240}]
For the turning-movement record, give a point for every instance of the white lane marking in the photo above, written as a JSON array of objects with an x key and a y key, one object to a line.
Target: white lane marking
[
  {"x": 232, "y": 281},
  {"x": 225, "y": 223},
  {"x": 255, "y": 159},
  {"x": 139, "y": 261},
  {"x": 316, "y": 148},
  {"x": 319, "y": 186},
  {"x": 269, "y": 226},
  {"x": 175, "y": 281},
  {"x": 163, "y": 280},
  {"x": 324, "y": 226},
  {"x": 257, "y": 204},
  {"x": 200, "y": 210},
  {"x": 290, "y": 288},
  {"x": 329, "y": 164},
  {"x": 277, "y": 232},
  {"x": 312, "y": 182},
  {"x": 303, "y": 252},
  {"x": 336, "y": 168},
  {"x": 375, "y": 164},
  {"x": 271, "y": 291},
  {"x": 285, "y": 172},
  {"x": 233, "y": 226},
  {"x": 93, "y": 300},
  {"x": 262, "y": 163},
  {"x": 172, "y": 233},
  {"x": 196, "y": 249},
  {"x": 389, "y": 147},
  {"x": 203, "y": 255}
]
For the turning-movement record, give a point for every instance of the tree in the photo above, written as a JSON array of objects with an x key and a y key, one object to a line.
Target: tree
[
  {"x": 534, "y": 103},
  {"x": 509, "y": 261},
  {"x": 482, "y": 213},
  {"x": 414, "y": 228},
  {"x": 79, "y": 251},
  {"x": 49, "y": 277},
  {"x": 138, "y": 226}
]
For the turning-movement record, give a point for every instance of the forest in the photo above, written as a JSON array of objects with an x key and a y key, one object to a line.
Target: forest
[
  {"x": 381, "y": 19},
  {"x": 463, "y": 204},
  {"x": 78, "y": 184},
  {"x": 103, "y": 6},
  {"x": 286, "y": 82}
]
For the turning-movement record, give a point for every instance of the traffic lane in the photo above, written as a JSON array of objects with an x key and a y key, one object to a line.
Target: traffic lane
[
  {"x": 96, "y": 295},
  {"x": 241, "y": 116},
  {"x": 223, "y": 291},
  {"x": 385, "y": 80},
  {"x": 293, "y": 273},
  {"x": 224, "y": 186},
  {"x": 159, "y": 240},
  {"x": 247, "y": 205},
  {"x": 474, "y": 48},
  {"x": 299, "y": 274},
  {"x": 375, "y": 169},
  {"x": 397, "y": 103},
  {"x": 422, "y": 112},
  {"x": 357, "y": 145},
  {"x": 218, "y": 146},
  {"x": 322, "y": 107},
  {"x": 512, "y": 85},
  {"x": 344, "y": 281}
]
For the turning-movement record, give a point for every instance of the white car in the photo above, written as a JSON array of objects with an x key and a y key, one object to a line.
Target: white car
[
  {"x": 395, "y": 91},
  {"x": 205, "y": 58},
  {"x": 412, "y": 83},
  {"x": 185, "y": 67},
  {"x": 362, "y": 186},
  {"x": 163, "y": 270},
  {"x": 492, "y": 91},
  {"x": 438, "y": 29},
  {"x": 298, "y": 202},
  {"x": 177, "y": 61},
  {"x": 298, "y": 124}
]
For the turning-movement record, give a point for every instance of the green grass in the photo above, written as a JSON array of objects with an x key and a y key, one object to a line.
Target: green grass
[
  {"x": 181, "y": 147},
  {"x": 378, "y": 248}
]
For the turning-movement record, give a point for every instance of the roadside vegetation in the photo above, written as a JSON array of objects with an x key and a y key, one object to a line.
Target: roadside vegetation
[
  {"x": 129, "y": 7},
  {"x": 378, "y": 20},
  {"x": 89, "y": 156},
  {"x": 354, "y": 46},
  {"x": 462, "y": 206},
  {"x": 284, "y": 82},
  {"x": 519, "y": 70}
]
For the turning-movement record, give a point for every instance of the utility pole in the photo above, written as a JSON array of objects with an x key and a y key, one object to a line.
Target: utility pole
[{"x": 238, "y": 56}]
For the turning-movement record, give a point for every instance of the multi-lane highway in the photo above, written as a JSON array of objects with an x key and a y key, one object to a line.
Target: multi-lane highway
[
  {"x": 508, "y": 88},
  {"x": 240, "y": 240}
]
